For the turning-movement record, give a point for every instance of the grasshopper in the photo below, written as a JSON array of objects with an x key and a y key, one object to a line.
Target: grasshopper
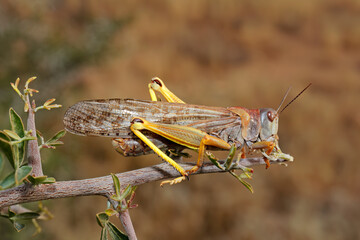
[{"x": 140, "y": 127}]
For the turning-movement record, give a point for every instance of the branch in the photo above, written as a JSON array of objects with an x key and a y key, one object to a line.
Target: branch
[
  {"x": 104, "y": 185},
  {"x": 125, "y": 220}
]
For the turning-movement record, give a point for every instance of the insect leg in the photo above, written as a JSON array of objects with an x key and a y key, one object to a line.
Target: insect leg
[
  {"x": 207, "y": 140},
  {"x": 267, "y": 146},
  {"x": 137, "y": 124},
  {"x": 187, "y": 136},
  {"x": 158, "y": 85}
]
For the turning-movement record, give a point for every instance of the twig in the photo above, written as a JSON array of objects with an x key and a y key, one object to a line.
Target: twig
[
  {"x": 103, "y": 185},
  {"x": 33, "y": 152},
  {"x": 127, "y": 223},
  {"x": 125, "y": 220}
]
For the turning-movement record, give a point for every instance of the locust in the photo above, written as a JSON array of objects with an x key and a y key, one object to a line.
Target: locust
[{"x": 168, "y": 127}]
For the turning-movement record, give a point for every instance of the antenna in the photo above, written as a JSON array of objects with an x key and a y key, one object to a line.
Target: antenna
[
  {"x": 295, "y": 98},
  {"x": 282, "y": 101}
]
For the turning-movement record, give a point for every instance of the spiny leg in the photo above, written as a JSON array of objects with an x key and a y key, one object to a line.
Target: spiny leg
[
  {"x": 158, "y": 85},
  {"x": 187, "y": 136},
  {"x": 207, "y": 140},
  {"x": 136, "y": 125}
]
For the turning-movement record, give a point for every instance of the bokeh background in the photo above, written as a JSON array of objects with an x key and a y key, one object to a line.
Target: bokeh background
[{"x": 218, "y": 53}]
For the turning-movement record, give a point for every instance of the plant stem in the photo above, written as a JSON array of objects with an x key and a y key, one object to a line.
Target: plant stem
[
  {"x": 103, "y": 185},
  {"x": 33, "y": 151},
  {"x": 125, "y": 220}
]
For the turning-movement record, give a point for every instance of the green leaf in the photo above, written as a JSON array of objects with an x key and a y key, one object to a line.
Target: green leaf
[
  {"x": 41, "y": 180},
  {"x": 56, "y": 137},
  {"x": 6, "y": 147},
  {"x": 102, "y": 218},
  {"x": 25, "y": 216},
  {"x": 115, "y": 233},
  {"x": 39, "y": 136},
  {"x": 103, "y": 234},
  {"x": 18, "y": 226},
  {"x": 214, "y": 160},
  {"x": 22, "y": 173},
  {"x": 246, "y": 184},
  {"x": 55, "y": 143},
  {"x": 8, "y": 182},
  {"x": 18, "y": 127},
  {"x": 110, "y": 212},
  {"x": 1, "y": 162},
  {"x": 127, "y": 191},
  {"x": 230, "y": 157},
  {"x": 12, "y": 134},
  {"x": 36, "y": 180},
  {"x": 116, "y": 186},
  {"x": 49, "y": 180}
]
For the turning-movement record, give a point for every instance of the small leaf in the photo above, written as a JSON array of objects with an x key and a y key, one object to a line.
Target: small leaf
[
  {"x": 55, "y": 143},
  {"x": 41, "y": 180},
  {"x": 29, "y": 81},
  {"x": 127, "y": 191},
  {"x": 49, "y": 101},
  {"x": 16, "y": 123},
  {"x": 31, "y": 91},
  {"x": 57, "y": 136},
  {"x": 115, "y": 233},
  {"x": 11, "y": 213},
  {"x": 102, "y": 218},
  {"x": 1, "y": 162},
  {"x": 26, "y": 107},
  {"x": 132, "y": 194},
  {"x": 18, "y": 127},
  {"x": 110, "y": 212},
  {"x": 8, "y": 182},
  {"x": 15, "y": 153},
  {"x": 49, "y": 180},
  {"x": 246, "y": 184},
  {"x": 12, "y": 134},
  {"x": 15, "y": 87},
  {"x": 230, "y": 157},
  {"x": 40, "y": 136},
  {"x": 18, "y": 226},
  {"x": 24, "y": 216},
  {"x": 103, "y": 234},
  {"x": 116, "y": 186},
  {"x": 6, "y": 148},
  {"x": 22, "y": 173},
  {"x": 214, "y": 160},
  {"x": 37, "y": 179}
]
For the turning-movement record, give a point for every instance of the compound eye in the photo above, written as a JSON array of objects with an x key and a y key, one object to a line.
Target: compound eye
[{"x": 271, "y": 116}]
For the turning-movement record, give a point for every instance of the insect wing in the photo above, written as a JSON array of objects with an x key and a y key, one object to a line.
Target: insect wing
[
  {"x": 112, "y": 117},
  {"x": 97, "y": 118}
]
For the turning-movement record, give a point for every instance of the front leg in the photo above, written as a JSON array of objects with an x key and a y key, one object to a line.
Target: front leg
[
  {"x": 266, "y": 146},
  {"x": 271, "y": 151},
  {"x": 158, "y": 85}
]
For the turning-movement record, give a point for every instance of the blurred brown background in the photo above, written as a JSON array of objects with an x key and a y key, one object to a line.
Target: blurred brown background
[{"x": 218, "y": 53}]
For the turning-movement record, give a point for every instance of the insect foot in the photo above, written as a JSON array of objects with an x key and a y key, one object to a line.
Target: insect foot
[{"x": 174, "y": 181}]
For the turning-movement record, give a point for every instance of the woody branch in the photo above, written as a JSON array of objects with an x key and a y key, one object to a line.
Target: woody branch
[{"x": 103, "y": 185}]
